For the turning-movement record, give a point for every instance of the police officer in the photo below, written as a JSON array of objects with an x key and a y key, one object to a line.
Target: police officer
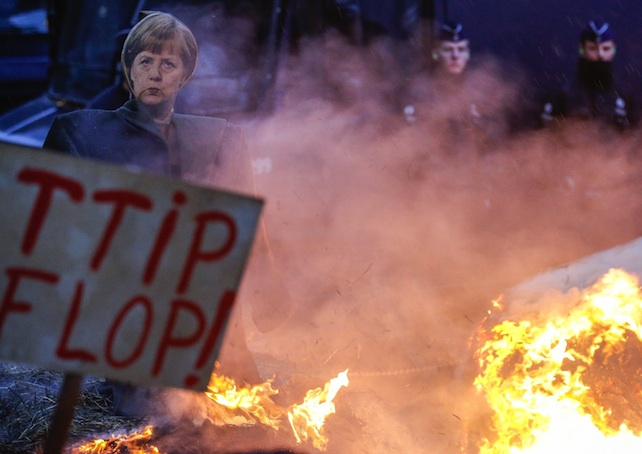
[
  {"x": 449, "y": 55},
  {"x": 593, "y": 93},
  {"x": 452, "y": 49}
]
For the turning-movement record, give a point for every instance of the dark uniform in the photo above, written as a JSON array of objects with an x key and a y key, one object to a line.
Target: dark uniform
[
  {"x": 454, "y": 100},
  {"x": 594, "y": 93}
]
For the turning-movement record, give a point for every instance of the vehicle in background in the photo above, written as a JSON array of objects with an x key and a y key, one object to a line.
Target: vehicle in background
[
  {"x": 24, "y": 55},
  {"x": 81, "y": 55}
]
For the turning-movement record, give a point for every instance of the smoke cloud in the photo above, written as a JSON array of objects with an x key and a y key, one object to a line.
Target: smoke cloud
[{"x": 394, "y": 237}]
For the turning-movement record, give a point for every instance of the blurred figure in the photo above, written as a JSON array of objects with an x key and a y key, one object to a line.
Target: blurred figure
[
  {"x": 112, "y": 97},
  {"x": 449, "y": 58},
  {"x": 593, "y": 93},
  {"x": 117, "y": 94},
  {"x": 463, "y": 104}
]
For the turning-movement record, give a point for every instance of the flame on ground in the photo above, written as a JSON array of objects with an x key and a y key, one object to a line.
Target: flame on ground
[
  {"x": 235, "y": 405},
  {"x": 568, "y": 383},
  {"x": 307, "y": 419},
  {"x": 134, "y": 443},
  {"x": 246, "y": 404}
]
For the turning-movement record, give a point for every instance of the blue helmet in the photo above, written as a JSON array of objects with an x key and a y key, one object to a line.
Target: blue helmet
[
  {"x": 596, "y": 31},
  {"x": 450, "y": 31}
]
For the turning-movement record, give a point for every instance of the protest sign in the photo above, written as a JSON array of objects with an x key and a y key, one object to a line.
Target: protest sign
[{"x": 109, "y": 272}]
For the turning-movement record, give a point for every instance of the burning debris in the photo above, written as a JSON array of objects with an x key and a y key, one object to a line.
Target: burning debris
[
  {"x": 229, "y": 404},
  {"x": 307, "y": 419},
  {"x": 567, "y": 381},
  {"x": 254, "y": 403},
  {"x": 135, "y": 443}
]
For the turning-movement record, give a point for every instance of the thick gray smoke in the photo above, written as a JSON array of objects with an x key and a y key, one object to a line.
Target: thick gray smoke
[{"x": 394, "y": 237}]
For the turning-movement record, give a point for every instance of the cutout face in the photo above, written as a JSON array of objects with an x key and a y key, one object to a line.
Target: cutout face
[{"x": 157, "y": 78}]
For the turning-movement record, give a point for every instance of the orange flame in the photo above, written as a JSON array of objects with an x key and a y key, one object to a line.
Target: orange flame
[
  {"x": 568, "y": 383},
  {"x": 254, "y": 403},
  {"x": 235, "y": 405},
  {"x": 135, "y": 443},
  {"x": 307, "y": 419}
]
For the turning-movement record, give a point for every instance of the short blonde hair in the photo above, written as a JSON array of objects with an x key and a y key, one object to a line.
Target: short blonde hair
[{"x": 154, "y": 33}]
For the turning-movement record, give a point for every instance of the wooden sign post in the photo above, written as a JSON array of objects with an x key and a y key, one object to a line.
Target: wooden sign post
[
  {"x": 116, "y": 274},
  {"x": 63, "y": 415}
]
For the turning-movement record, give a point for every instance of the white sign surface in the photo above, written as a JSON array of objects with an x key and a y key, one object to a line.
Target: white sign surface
[{"x": 116, "y": 274}]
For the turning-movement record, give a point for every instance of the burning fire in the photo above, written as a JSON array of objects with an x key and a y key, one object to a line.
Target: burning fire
[
  {"x": 238, "y": 405},
  {"x": 135, "y": 443},
  {"x": 306, "y": 419},
  {"x": 569, "y": 383},
  {"x": 251, "y": 404}
]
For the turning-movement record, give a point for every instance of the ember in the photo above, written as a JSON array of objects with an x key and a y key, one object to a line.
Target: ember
[{"x": 568, "y": 383}]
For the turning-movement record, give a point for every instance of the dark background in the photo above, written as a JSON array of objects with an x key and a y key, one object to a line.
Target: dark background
[
  {"x": 539, "y": 37},
  {"x": 542, "y": 35}
]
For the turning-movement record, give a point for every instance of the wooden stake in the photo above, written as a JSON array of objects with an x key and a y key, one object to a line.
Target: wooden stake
[{"x": 64, "y": 413}]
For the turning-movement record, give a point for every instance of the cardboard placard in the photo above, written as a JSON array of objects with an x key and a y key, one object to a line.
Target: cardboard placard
[{"x": 113, "y": 273}]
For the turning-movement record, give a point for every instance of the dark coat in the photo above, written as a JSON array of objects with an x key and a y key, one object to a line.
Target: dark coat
[
  {"x": 593, "y": 94},
  {"x": 204, "y": 150}
]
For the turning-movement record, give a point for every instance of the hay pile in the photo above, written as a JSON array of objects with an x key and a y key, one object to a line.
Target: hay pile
[{"x": 28, "y": 398}]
